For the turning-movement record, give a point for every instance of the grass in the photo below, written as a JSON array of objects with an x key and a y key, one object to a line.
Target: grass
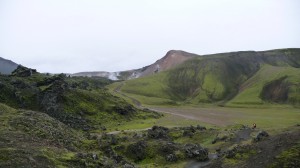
[
  {"x": 288, "y": 158},
  {"x": 152, "y": 86},
  {"x": 233, "y": 79},
  {"x": 270, "y": 117},
  {"x": 251, "y": 89},
  {"x": 167, "y": 120},
  {"x": 238, "y": 158}
]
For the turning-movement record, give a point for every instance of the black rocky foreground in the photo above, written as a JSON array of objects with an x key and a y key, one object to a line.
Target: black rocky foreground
[{"x": 282, "y": 150}]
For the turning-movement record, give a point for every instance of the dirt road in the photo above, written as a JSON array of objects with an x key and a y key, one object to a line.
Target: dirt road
[{"x": 204, "y": 115}]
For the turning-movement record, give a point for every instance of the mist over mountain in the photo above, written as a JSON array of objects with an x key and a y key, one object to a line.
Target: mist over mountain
[
  {"x": 7, "y": 66},
  {"x": 170, "y": 60}
]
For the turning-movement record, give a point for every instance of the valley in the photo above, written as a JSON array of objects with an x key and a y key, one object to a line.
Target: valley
[{"x": 184, "y": 110}]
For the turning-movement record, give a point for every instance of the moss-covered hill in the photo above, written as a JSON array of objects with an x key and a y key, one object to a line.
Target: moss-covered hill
[
  {"x": 82, "y": 103},
  {"x": 235, "y": 79},
  {"x": 47, "y": 121},
  {"x": 34, "y": 139}
]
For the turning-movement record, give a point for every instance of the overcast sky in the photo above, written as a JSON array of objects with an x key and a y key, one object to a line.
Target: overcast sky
[{"x": 113, "y": 35}]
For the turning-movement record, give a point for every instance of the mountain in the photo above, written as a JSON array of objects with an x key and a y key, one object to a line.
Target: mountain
[
  {"x": 235, "y": 78},
  {"x": 7, "y": 66},
  {"x": 170, "y": 60}
]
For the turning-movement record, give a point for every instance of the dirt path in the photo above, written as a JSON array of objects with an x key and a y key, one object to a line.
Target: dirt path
[
  {"x": 210, "y": 116},
  {"x": 135, "y": 101},
  {"x": 207, "y": 116},
  {"x": 131, "y": 130}
]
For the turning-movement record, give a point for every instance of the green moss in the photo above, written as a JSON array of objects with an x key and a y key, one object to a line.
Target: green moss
[
  {"x": 288, "y": 158},
  {"x": 89, "y": 145},
  {"x": 232, "y": 79},
  {"x": 239, "y": 157}
]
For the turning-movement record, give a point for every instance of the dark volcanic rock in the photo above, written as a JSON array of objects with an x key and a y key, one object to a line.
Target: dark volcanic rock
[
  {"x": 22, "y": 71},
  {"x": 168, "y": 148},
  {"x": 51, "y": 102},
  {"x": 201, "y": 128},
  {"x": 171, "y": 158},
  {"x": 124, "y": 110},
  {"x": 260, "y": 135},
  {"x": 137, "y": 151},
  {"x": 158, "y": 132},
  {"x": 196, "y": 151},
  {"x": 127, "y": 165}
]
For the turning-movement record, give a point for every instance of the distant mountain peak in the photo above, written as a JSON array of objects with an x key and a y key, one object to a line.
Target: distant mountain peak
[
  {"x": 173, "y": 58},
  {"x": 7, "y": 66},
  {"x": 170, "y": 60}
]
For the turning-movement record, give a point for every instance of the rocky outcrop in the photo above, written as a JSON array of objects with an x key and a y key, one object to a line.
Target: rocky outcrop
[
  {"x": 158, "y": 132},
  {"x": 195, "y": 151},
  {"x": 51, "y": 102},
  {"x": 124, "y": 110},
  {"x": 171, "y": 158},
  {"x": 137, "y": 151},
  {"x": 276, "y": 91},
  {"x": 22, "y": 71},
  {"x": 261, "y": 135}
]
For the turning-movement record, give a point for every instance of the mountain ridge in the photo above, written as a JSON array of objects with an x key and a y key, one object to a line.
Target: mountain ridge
[
  {"x": 218, "y": 78},
  {"x": 7, "y": 66},
  {"x": 171, "y": 59}
]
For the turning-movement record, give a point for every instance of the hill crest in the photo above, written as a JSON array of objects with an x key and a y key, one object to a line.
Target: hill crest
[
  {"x": 170, "y": 60},
  {"x": 7, "y": 66}
]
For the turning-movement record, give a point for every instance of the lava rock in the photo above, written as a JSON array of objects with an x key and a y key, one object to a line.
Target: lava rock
[
  {"x": 171, "y": 158},
  {"x": 201, "y": 128},
  {"x": 260, "y": 135},
  {"x": 137, "y": 151},
  {"x": 158, "y": 132},
  {"x": 22, "y": 71},
  {"x": 124, "y": 110},
  {"x": 126, "y": 165},
  {"x": 168, "y": 148},
  {"x": 196, "y": 151}
]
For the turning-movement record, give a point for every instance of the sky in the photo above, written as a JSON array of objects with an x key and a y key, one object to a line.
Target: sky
[{"x": 113, "y": 35}]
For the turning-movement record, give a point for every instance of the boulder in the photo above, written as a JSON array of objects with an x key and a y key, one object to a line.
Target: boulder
[
  {"x": 168, "y": 148},
  {"x": 127, "y": 165},
  {"x": 137, "y": 151},
  {"x": 195, "y": 151},
  {"x": 158, "y": 132},
  {"x": 124, "y": 110},
  {"x": 22, "y": 71},
  {"x": 201, "y": 128},
  {"x": 230, "y": 153},
  {"x": 188, "y": 133},
  {"x": 171, "y": 158},
  {"x": 260, "y": 135}
]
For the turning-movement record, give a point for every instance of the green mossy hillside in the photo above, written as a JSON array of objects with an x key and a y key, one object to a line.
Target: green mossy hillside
[
  {"x": 80, "y": 102},
  {"x": 240, "y": 78},
  {"x": 34, "y": 139}
]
